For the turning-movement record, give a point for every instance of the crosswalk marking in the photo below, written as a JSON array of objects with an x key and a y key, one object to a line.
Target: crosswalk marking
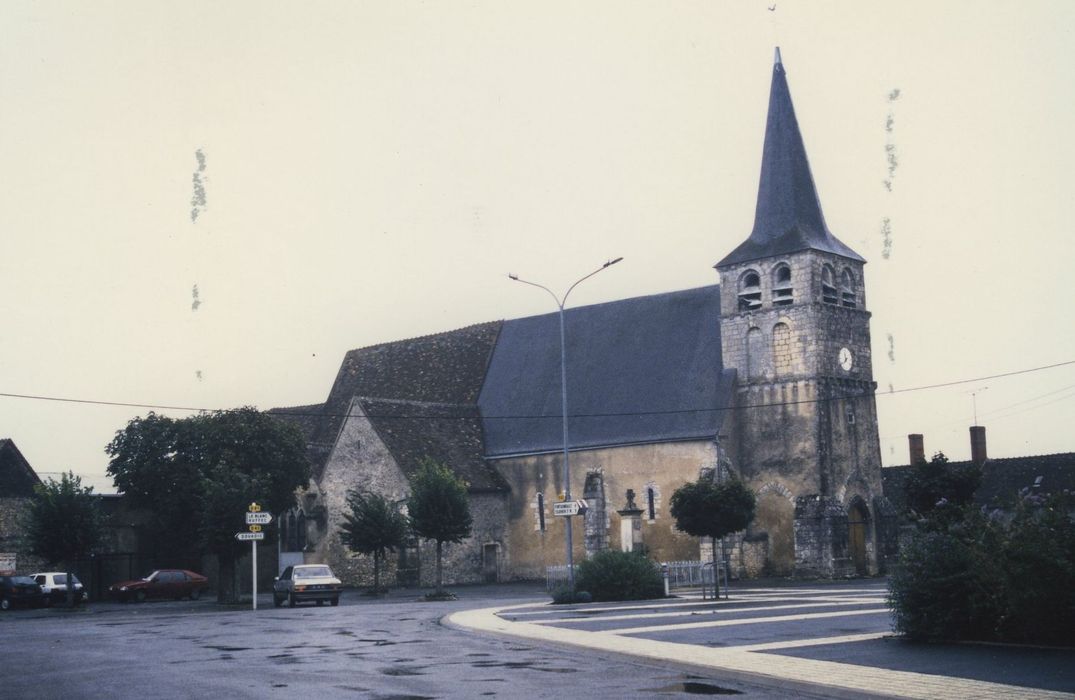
[{"x": 746, "y": 621}]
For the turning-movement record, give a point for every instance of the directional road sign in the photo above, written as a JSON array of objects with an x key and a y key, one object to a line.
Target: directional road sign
[
  {"x": 568, "y": 508},
  {"x": 244, "y": 536},
  {"x": 258, "y": 518}
]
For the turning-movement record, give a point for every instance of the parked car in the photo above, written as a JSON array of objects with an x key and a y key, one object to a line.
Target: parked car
[
  {"x": 54, "y": 586},
  {"x": 20, "y": 590},
  {"x": 162, "y": 583},
  {"x": 306, "y": 582}
]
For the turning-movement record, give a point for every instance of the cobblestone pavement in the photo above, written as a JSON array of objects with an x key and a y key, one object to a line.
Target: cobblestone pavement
[{"x": 829, "y": 639}]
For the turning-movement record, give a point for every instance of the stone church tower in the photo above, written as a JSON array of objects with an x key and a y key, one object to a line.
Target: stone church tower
[{"x": 795, "y": 325}]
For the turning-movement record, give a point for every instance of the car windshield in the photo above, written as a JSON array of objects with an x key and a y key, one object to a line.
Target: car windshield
[
  {"x": 312, "y": 572},
  {"x": 152, "y": 577}
]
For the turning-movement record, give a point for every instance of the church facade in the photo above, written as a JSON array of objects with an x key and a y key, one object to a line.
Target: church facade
[{"x": 766, "y": 375}]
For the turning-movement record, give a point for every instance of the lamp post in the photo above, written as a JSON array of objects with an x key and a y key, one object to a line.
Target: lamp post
[{"x": 563, "y": 400}]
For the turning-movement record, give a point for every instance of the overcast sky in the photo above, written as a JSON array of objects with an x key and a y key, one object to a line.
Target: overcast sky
[{"x": 372, "y": 171}]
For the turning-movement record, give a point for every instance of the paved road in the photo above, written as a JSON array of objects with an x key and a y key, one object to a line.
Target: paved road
[
  {"x": 817, "y": 640},
  {"x": 394, "y": 648},
  {"x": 829, "y": 638}
]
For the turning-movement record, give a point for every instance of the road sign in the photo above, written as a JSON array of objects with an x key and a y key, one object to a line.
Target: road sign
[
  {"x": 253, "y": 508},
  {"x": 254, "y": 528},
  {"x": 568, "y": 508},
  {"x": 258, "y": 519},
  {"x": 244, "y": 536}
]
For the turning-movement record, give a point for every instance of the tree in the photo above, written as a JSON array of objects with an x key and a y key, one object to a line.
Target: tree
[
  {"x": 374, "y": 526},
  {"x": 939, "y": 482},
  {"x": 709, "y": 509},
  {"x": 438, "y": 508},
  {"x": 197, "y": 476},
  {"x": 64, "y": 522}
]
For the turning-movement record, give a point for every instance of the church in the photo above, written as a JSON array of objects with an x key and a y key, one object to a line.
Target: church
[{"x": 766, "y": 375}]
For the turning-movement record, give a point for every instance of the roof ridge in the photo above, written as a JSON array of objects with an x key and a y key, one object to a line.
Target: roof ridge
[{"x": 424, "y": 337}]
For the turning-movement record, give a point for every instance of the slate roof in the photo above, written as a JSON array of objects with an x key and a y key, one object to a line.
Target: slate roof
[
  {"x": 444, "y": 368},
  {"x": 640, "y": 370},
  {"x": 1001, "y": 478},
  {"x": 447, "y": 433},
  {"x": 17, "y": 477},
  {"x": 788, "y": 215},
  {"x": 307, "y": 419}
]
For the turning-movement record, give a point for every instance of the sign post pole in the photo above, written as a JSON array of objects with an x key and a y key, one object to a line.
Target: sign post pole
[
  {"x": 254, "y": 520},
  {"x": 254, "y": 576}
]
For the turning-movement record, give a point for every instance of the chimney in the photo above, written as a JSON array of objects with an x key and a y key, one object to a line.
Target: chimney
[
  {"x": 918, "y": 449},
  {"x": 977, "y": 445}
]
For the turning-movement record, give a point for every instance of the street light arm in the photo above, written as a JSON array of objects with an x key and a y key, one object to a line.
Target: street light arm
[
  {"x": 580, "y": 281},
  {"x": 516, "y": 278}
]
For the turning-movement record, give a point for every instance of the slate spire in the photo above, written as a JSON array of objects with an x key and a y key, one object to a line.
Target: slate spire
[{"x": 788, "y": 216}]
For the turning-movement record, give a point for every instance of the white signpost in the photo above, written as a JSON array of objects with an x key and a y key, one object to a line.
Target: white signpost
[
  {"x": 254, "y": 519},
  {"x": 569, "y": 508}
]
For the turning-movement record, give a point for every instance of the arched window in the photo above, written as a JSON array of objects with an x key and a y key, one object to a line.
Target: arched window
[
  {"x": 300, "y": 535},
  {"x": 847, "y": 289},
  {"x": 781, "y": 349},
  {"x": 755, "y": 360},
  {"x": 828, "y": 286},
  {"x": 541, "y": 511},
  {"x": 750, "y": 291},
  {"x": 651, "y": 506},
  {"x": 292, "y": 533},
  {"x": 782, "y": 289}
]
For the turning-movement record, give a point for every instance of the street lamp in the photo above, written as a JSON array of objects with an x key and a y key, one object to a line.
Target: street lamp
[{"x": 563, "y": 399}]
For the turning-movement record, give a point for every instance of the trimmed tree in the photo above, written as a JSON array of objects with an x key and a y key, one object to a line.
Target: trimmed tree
[
  {"x": 709, "y": 509},
  {"x": 373, "y": 526},
  {"x": 198, "y": 475},
  {"x": 64, "y": 523},
  {"x": 439, "y": 509}
]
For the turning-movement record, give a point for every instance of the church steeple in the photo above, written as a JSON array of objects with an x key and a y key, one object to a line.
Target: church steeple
[{"x": 788, "y": 215}]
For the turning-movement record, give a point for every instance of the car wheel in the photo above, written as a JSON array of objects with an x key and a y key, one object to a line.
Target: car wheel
[
  {"x": 335, "y": 602},
  {"x": 276, "y": 602},
  {"x": 140, "y": 596},
  {"x": 320, "y": 602},
  {"x": 195, "y": 593},
  {"x": 5, "y": 604},
  {"x": 290, "y": 600}
]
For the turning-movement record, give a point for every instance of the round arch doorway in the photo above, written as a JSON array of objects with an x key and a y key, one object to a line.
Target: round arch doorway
[{"x": 858, "y": 520}]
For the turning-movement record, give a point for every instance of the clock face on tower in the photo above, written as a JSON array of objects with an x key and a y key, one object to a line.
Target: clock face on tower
[{"x": 846, "y": 359}]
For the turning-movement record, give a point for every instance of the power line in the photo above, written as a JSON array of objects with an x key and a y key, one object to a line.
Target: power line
[{"x": 309, "y": 414}]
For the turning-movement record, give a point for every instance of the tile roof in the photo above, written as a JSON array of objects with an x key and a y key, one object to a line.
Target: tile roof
[
  {"x": 1001, "y": 478},
  {"x": 640, "y": 370},
  {"x": 444, "y": 368},
  {"x": 447, "y": 433},
  {"x": 17, "y": 477},
  {"x": 788, "y": 215}
]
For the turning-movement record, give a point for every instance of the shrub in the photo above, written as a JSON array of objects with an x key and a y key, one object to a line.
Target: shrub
[
  {"x": 613, "y": 575},
  {"x": 565, "y": 595},
  {"x": 990, "y": 575}
]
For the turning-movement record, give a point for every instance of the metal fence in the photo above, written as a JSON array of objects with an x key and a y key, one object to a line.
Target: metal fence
[
  {"x": 681, "y": 574},
  {"x": 696, "y": 574},
  {"x": 556, "y": 577}
]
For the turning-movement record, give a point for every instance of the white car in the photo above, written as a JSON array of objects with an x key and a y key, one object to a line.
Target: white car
[
  {"x": 54, "y": 586},
  {"x": 306, "y": 582}
]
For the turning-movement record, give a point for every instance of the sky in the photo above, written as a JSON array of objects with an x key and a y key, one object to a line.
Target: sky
[{"x": 207, "y": 204}]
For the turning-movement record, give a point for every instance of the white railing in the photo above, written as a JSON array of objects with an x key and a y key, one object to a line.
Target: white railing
[
  {"x": 556, "y": 577},
  {"x": 681, "y": 574}
]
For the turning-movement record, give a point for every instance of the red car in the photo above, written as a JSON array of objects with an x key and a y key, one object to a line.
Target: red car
[{"x": 162, "y": 583}]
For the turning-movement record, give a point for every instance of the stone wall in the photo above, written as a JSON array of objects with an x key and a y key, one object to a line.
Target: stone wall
[
  {"x": 660, "y": 469},
  {"x": 12, "y": 514}
]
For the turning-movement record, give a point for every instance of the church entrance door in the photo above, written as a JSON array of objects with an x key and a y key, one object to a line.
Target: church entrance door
[{"x": 856, "y": 522}]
